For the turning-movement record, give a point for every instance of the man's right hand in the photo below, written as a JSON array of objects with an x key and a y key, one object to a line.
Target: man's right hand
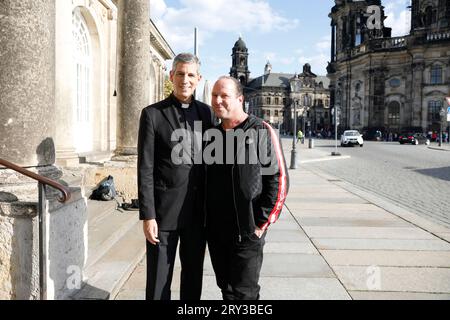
[{"x": 151, "y": 231}]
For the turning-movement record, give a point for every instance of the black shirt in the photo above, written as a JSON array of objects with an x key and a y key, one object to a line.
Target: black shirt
[
  {"x": 191, "y": 211},
  {"x": 220, "y": 204}
]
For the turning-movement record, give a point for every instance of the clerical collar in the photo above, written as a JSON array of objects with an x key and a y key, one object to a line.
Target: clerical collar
[{"x": 178, "y": 104}]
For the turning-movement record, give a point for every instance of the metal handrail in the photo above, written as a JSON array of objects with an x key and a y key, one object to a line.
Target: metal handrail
[
  {"x": 45, "y": 181},
  {"x": 42, "y": 210}
]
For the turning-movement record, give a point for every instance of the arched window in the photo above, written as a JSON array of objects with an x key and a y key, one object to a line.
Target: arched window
[
  {"x": 436, "y": 75},
  {"x": 394, "y": 113},
  {"x": 434, "y": 109},
  {"x": 268, "y": 100},
  {"x": 429, "y": 16},
  {"x": 82, "y": 75}
]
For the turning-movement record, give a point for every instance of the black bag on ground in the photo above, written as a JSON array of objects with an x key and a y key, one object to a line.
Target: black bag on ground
[{"x": 106, "y": 190}]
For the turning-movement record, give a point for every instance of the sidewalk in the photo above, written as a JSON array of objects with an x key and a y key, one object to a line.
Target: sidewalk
[
  {"x": 443, "y": 147},
  {"x": 334, "y": 241}
]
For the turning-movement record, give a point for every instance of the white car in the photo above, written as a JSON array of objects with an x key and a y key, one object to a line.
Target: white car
[{"x": 351, "y": 138}]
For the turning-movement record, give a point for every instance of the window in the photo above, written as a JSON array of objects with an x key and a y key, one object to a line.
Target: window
[
  {"x": 277, "y": 101},
  {"x": 276, "y": 113},
  {"x": 82, "y": 57},
  {"x": 394, "y": 113},
  {"x": 430, "y": 16},
  {"x": 395, "y": 83},
  {"x": 82, "y": 83},
  {"x": 268, "y": 100},
  {"x": 307, "y": 100},
  {"x": 436, "y": 75},
  {"x": 434, "y": 107}
]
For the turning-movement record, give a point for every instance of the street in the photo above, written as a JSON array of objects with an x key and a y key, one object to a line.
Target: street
[{"x": 415, "y": 177}]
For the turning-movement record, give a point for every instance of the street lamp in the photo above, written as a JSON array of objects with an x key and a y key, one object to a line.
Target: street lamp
[
  {"x": 294, "y": 83},
  {"x": 294, "y": 139},
  {"x": 306, "y": 108}
]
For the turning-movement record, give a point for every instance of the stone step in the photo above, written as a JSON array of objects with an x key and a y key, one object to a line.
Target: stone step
[
  {"x": 107, "y": 229},
  {"x": 95, "y": 157},
  {"x": 98, "y": 210},
  {"x": 107, "y": 275}
]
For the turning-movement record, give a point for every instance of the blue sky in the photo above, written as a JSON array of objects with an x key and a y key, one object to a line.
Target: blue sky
[{"x": 288, "y": 33}]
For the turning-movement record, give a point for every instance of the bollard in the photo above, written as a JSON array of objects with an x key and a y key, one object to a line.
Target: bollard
[{"x": 311, "y": 143}]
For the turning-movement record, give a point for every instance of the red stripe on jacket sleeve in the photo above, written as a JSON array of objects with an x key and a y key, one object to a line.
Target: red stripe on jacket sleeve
[{"x": 282, "y": 179}]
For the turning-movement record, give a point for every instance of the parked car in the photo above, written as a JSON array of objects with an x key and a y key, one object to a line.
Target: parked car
[
  {"x": 413, "y": 138},
  {"x": 373, "y": 135},
  {"x": 351, "y": 138}
]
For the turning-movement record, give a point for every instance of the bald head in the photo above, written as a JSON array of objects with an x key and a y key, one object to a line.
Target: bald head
[{"x": 228, "y": 99}]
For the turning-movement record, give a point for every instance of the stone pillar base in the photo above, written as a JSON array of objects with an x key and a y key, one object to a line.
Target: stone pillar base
[
  {"x": 67, "y": 158},
  {"x": 19, "y": 244},
  {"x": 126, "y": 151}
]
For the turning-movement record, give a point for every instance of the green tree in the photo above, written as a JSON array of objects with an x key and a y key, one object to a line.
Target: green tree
[{"x": 168, "y": 87}]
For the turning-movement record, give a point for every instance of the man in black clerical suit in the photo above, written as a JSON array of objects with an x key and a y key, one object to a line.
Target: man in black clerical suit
[{"x": 171, "y": 193}]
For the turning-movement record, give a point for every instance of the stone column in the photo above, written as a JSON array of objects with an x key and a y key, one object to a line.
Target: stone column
[
  {"x": 65, "y": 150},
  {"x": 133, "y": 71},
  {"x": 333, "y": 42},
  {"x": 27, "y": 81}
]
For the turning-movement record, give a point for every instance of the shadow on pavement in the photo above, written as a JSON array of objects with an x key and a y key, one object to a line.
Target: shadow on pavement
[{"x": 440, "y": 173}]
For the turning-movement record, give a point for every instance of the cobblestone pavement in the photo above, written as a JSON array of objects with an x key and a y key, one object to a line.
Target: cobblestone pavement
[{"x": 415, "y": 177}]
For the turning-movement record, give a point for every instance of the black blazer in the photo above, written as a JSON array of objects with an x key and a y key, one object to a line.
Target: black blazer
[{"x": 163, "y": 185}]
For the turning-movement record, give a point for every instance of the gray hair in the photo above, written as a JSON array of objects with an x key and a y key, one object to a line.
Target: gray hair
[
  {"x": 186, "y": 58},
  {"x": 237, "y": 85}
]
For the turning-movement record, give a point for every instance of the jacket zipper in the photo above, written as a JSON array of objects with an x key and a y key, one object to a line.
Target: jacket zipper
[
  {"x": 235, "y": 206},
  {"x": 204, "y": 196}
]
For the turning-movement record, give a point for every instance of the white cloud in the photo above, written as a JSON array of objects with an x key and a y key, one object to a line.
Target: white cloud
[
  {"x": 318, "y": 59},
  {"x": 157, "y": 9},
  {"x": 398, "y": 17},
  {"x": 210, "y": 17}
]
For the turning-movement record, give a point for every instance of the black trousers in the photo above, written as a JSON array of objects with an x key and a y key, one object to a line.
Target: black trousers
[
  {"x": 161, "y": 259},
  {"x": 237, "y": 265}
]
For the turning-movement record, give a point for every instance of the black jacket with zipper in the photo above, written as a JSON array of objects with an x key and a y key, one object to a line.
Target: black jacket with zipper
[{"x": 259, "y": 179}]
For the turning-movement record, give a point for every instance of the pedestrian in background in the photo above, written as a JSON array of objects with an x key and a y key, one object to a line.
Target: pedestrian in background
[{"x": 300, "y": 136}]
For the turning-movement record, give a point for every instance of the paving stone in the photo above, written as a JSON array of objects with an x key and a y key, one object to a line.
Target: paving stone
[
  {"x": 404, "y": 279},
  {"x": 131, "y": 295},
  {"x": 295, "y": 265},
  {"x": 302, "y": 289},
  {"x": 387, "y": 258},
  {"x": 352, "y": 222},
  {"x": 366, "y": 295},
  {"x": 286, "y": 236},
  {"x": 290, "y": 247},
  {"x": 381, "y": 244},
  {"x": 368, "y": 233}
]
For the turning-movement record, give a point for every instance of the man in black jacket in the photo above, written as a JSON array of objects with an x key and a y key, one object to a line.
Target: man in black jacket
[
  {"x": 245, "y": 192},
  {"x": 171, "y": 193}
]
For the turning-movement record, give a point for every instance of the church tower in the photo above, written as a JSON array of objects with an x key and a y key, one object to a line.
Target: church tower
[
  {"x": 429, "y": 14},
  {"x": 353, "y": 22},
  {"x": 239, "y": 68}
]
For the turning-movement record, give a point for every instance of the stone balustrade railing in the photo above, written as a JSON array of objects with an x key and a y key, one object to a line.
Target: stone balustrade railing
[{"x": 438, "y": 35}]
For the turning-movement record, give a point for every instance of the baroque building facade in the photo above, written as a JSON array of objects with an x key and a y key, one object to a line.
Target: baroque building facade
[
  {"x": 272, "y": 96},
  {"x": 391, "y": 84},
  {"x": 74, "y": 77}
]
